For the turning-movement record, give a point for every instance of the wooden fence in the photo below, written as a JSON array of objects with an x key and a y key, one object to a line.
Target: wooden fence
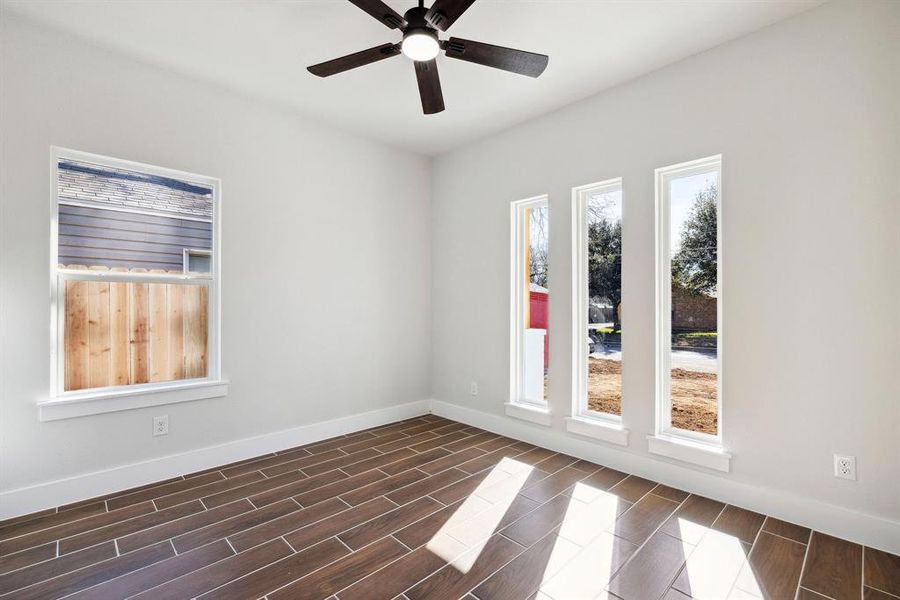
[{"x": 120, "y": 333}]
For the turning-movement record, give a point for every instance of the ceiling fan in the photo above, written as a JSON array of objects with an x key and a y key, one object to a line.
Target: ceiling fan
[{"x": 421, "y": 43}]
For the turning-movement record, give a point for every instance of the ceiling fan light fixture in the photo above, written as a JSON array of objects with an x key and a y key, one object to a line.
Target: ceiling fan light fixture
[{"x": 420, "y": 45}]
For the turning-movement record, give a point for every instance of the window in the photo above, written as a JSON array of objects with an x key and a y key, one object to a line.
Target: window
[
  {"x": 134, "y": 279},
  {"x": 689, "y": 300},
  {"x": 597, "y": 255},
  {"x": 530, "y": 301}
]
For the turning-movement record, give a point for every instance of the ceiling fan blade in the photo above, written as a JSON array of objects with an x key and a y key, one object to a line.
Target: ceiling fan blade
[
  {"x": 444, "y": 13},
  {"x": 381, "y": 12},
  {"x": 357, "y": 59},
  {"x": 508, "y": 59},
  {"x": 429, "y": 86}
]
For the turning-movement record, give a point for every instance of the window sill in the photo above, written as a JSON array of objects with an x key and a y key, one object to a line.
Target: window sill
[
  {"x": 534, "y": 414},
  {"x": 704, "y": 455},
  {"x": 598, "y": 430},
  {"x": 117, "y": 399}
]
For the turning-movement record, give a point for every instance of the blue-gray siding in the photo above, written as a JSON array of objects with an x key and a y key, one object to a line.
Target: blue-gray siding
[{"x": 97, "y": 237}]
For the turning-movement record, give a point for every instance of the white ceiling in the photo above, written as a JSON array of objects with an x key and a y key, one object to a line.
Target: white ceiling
[{"x": 262, "y": 47}]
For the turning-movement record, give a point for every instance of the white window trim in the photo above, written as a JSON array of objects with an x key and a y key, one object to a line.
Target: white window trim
[
  {"x": 186, "y": 253},
  {"x": 610, "y": 424},
  {"x": 698, "y": 444},
  {"x": 60, "y": 404},
  {"x": 517, "y": 308},
  {"x": 531, "y": 412}
]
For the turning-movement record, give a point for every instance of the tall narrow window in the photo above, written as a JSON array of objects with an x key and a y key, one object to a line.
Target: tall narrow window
[
  {"x": 689, "y": 302},
  {"x": 135, "y": 274},
  {"x": 597, "y": 251},
  {"x": 530, "y": 301}
]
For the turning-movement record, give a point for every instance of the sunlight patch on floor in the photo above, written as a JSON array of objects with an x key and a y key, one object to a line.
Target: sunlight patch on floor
[
  {"x": 713, "y": 566},
  {"x": 472, "y": 524}
]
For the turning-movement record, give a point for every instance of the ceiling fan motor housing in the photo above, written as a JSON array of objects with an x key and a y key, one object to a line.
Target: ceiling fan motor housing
[{"x": 417, "y": 24}]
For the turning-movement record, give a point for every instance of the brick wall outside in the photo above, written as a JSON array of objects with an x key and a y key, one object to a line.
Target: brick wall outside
[{"x": 692, "y": 312}]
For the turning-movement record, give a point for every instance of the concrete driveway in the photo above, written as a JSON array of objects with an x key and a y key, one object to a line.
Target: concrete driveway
[{"x": 701, "y": 360}]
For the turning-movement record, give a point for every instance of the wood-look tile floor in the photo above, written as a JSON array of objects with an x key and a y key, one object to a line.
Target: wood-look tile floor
[{"x": 426, "y": 509}]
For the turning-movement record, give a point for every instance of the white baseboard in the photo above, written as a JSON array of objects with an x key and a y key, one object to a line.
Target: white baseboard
[
  {"x": 870, "y": 530},
  {"x": 89, "y": 485}
]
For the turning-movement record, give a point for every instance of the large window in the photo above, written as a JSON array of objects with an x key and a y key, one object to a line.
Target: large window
[
  {"x": 134, "y": 277},
  {"x": 689, "y": 300},
  {"x": 530, "y": 301},
  {"x": 597, "y": 253}
]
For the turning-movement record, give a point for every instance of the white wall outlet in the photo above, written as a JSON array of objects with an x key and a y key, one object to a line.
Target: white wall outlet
[
  {"x": 473, "y": 388},
  {"x": 845, "y": 467},
  {"x": 161, "y": 425}
]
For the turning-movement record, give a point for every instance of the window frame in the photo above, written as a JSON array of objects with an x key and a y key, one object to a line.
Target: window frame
[
  {"x": 664, "y": 428},
  {"x": 187, "y": 253},
  {"x": 517, "y": 304},
  {"x": 61, "y": 403},
  {"x": 580, "y": 197}
]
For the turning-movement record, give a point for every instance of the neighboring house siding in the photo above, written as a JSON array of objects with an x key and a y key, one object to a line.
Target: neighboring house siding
[{"x": 115, "y": 238}]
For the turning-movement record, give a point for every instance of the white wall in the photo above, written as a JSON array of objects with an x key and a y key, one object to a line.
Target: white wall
[
  {"x": 806, "y": 114},
  {"x": 326, "y": 263}
]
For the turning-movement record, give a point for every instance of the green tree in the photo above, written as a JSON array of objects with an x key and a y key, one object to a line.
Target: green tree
[
  {"x": 694, "y": 266},
  {"x": 605, "y": 263}
]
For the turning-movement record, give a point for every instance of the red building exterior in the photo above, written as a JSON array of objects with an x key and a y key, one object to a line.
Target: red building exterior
[{"x": 539, "y": 317}]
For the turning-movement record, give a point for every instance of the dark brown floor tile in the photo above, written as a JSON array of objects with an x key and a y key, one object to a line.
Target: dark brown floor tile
[
  {"x": 774, "y": 567},
  {"x": 429, "y": 426},
  {"x": 425, "y": 486},
  {"x": 882, "y": 571},
  {"x": 642, "y": 519},
  {"x": 265, "y": 462},
  {"x": 555, "y": 463},
  {"x": 341, "y": 461},
  {"x": 414, "y": 461},
  {"x": 156, "y": 574},
  {"x": 97, "y": 573},
  {"x": 406, "y": 442},
  {"x": 293, "y": 521},
  {"x": 534, "y": 456},
  {"x": 632, "y": 488},
  {"x": 376, "y": 441},
  {"x": 487, "y": 461},
  {"x": 471, "y": 441},
  {"x": 650, "y": 571},
  {"x": 538, "y": 523},
  {"x": 586, "y": 466},
  {"x": 25, "y": 558},
  {"x": 673, "y": 594},
  {"x": 805, "y": 594},
  {"x": 337, "y": 488},
  {"x": 280, "y": 573},
  {"x": 172, "y": 529},
  {"x": 338, "y": 442},
  {"x": 382, "y": 487},
  {"x": 379, "y": 462},
  {"x": 298, "y": 487},
  {"x": 6, "y": 523},
  {"x": 555, "y": 484},
  {"x": 452, "y": 582},
  {"x": 163, "y": 490},
  {"x": 122, "y": 528},
  {"x": 604, "y": 479},
  {"x": 524, "y": 575},
  {"x": 343, "y": 573},
  {"x": 207, "y": 490},
  {"x": 461, "y": 489},
  {"x": 49, "y": 520},
  {"x": 496, "y": 444},
  {"x": 341, "y": 522},
  {"x": 223, "y": 529},
  {"x": 441, "y": 440},
  {"x": 396, "y": 577},
  {"x": 451, "y": 460},
  {"x": 388, "y": 523},
  {"x": 253, "y": 489},
  {"x": 787, "y": 530},
  {"x": 64, "y": 530},
  {"x": 692, "y": 519},
  {"x": 58, "y": 566},
  {"x": 873, "y": 594},
  {"x": 217, "y": 574},
  {"x": 401, "y": 426},
  {"x": 833, "y": 567},
  {"x": 669, "y": 493},
  {"x": 311, "y": 464},
  {"x": 741, "y": 523},
  {"x": 423, "y": 530}
]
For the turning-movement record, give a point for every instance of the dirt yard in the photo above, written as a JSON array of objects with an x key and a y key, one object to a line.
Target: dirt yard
[{"x": 693, "y": 394}]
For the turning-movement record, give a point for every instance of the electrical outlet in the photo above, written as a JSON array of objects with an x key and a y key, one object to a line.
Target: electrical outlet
[
  {"x": 473, "y": 388},
  {"x": 161, "y": 425},
  {"x": 845, "y": 467}
]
